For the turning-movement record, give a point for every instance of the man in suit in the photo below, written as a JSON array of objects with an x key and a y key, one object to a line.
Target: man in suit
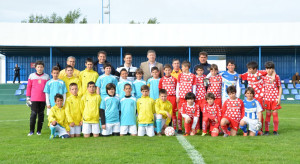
[{"x": 146, "y": 66}]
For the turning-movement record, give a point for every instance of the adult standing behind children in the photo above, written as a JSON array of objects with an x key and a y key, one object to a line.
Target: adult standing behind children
[
  {"x": 147, "y": 65},
  {"x": 296, "y": 79},
  {"x": 99, "y": 64},
  {"x": 128, "y": 66},
  {"x": 203, "y": 63},
  {"x": 71, "y": 60}
]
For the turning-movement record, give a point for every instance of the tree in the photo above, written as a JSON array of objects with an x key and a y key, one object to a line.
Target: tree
[
  {"x": 71, "y": 17},
  {"x": 150, "y": 21}
]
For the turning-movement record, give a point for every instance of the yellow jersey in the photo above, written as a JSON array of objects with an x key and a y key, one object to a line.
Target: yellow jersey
[
  {"x": 146, "y": 110},
  {"x": 90, "y": 103},
  {"x": 73, "y": 109},
  {"x": 163, "y": 108},
  {"x": 175, "y": 74},
  {"x": 69, "y": 80},
  {"x": 62, "y": 73},
  {"x": 85, "y": 77},
  {"x": 58, "y": 114}
]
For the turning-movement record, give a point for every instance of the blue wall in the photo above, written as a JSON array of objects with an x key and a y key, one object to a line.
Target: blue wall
[{"x": 283, "y": 57}]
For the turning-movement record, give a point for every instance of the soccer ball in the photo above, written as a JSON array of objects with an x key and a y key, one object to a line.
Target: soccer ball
[{"x": 169, "y": 131}]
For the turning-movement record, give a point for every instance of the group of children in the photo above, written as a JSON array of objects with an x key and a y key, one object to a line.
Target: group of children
[{"x": 100, "y": 105}]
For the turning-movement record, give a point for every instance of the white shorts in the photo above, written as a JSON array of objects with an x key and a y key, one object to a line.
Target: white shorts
[
  {"x": 60, "y": 130},
  {"x": 111, "y": 128},
  {"x": 88, "y": 128},
  {"x": 251, "y": 123},
  {"x": 128, "y": 129},
  {"x": 75, "y": 130},
  {"x": 149, "y": 130}
]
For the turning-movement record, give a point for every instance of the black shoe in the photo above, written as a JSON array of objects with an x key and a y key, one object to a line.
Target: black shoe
[
  {"x": 266, "y": 133},
  {"x": 275, "y": 133},
  {"x": 179, "y": 132}
]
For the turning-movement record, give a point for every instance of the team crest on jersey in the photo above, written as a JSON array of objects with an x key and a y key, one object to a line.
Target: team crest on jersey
[
  {"x": 218, "y": 79},
  {"x": 235, "y": 77},
  {"x": 40, "y": 81},
  {"x": 266, "y": 105},
  {"x": 171, "y": 82},
  {"x": 253, "y": 104},
  {"x": 270, "y": 81},
  {"x": 236, "y": 104},
  {"x": 258, "y": 78},
  {"x": 188, "y": 79},
  {"x": 212, "y": 112}
]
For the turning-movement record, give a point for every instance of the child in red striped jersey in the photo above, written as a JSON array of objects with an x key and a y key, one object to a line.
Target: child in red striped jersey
[{"x": 169, "y": 83}]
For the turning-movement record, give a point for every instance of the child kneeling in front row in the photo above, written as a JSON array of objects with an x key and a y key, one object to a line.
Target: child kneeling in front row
[
  {"x": 57, "y": 119},
  {"x": 253, "y": 114},
  {"x": 146, "y": 111}
]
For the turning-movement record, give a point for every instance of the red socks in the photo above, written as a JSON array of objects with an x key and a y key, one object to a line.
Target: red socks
[
  {"x": 267, "y": 121},
  {"x": 174, "y": 120},
  {"x": 225, "y": 129},
  {"x": 187, "y": 127},
  {"x": 204, "y": 124},
  {"x": 275, "y": 121}
]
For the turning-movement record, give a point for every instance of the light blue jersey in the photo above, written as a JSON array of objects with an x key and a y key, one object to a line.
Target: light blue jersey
[
  {"x": 111, "y": 106},
  {"x": 154, "y": 91},
  {"x": 252, "y": 108},
  {"x": 128, "y": 111},
  {"x": 53, "y": 87},
  {"x": 102, "y": 81},
  {"x": 120, "y": 88},
  {"x": 229, "y": 79},
  {"x": 137, "y": 86}
]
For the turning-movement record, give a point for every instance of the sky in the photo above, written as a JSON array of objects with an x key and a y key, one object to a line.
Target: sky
[{"x": 166, "y": 11}]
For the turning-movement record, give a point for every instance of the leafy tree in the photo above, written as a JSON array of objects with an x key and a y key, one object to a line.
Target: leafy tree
[
  {"x": 150, "y": 21},
  {"x": 71, "y": 17}
]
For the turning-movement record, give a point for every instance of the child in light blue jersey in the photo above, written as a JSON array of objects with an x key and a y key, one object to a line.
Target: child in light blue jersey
[
  {"x": 138, "y": 83},
  {"x": 105, "y": 79},
  {"x": 153, "y": 83},
  {"x": 122, "y": 82},
  {"x": 128, "y": 113},
  {"x": 53, "y": 87},
  {"x": 110, "y": 112},
  {"x": 253, "y": 114}
]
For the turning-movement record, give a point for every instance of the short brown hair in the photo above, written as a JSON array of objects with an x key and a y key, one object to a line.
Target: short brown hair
[
  {"x": 167, "y": 66},
  {"x": 55, "y": 68},
  {"x": 39, "y": 62},
  {"x": 163, "y": 91},
  {"x": 214, "y": 67},
  {"x": 186, "y": 63},
  {"x": 210, "y": 96},
  {"x": 250, "y": 89},
  {"x": 203, "y": 53},
  {"x": 68, "y": 66},
  {"x": 231, "y": 89},
  {"x": 151, "y": 51},
  {"x": 144, "y": 87},
  {"x": 73, "y": 84},
  {"x": 139, "y": 71},
  {"x": 102, "y": 52}
]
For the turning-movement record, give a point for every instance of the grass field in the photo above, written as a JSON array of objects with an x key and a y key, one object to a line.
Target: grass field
[{"x": 16, "y": 147}]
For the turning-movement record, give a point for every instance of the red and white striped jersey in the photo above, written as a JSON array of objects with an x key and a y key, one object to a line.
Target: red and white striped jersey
[
  {"x": 169, "y": 84},
  {"x": 271, "y": 92},
  {"x": 215, "y": 86},
  {"x": 233, "y": 109}
]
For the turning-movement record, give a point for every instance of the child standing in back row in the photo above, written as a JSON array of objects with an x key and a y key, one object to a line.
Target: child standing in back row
[
  {"x": 153, "y": 83},
  {"x": 138, "y": 83},
  {"x": 36, "y": 97}
]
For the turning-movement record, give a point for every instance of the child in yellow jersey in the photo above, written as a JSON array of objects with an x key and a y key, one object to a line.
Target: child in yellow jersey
[
  {"x": 163, "y": 109},
  {"x": 74, "y": 111},
  {"x": 57, "y": 119},
  {"x": 87, "y": 75},
  {"x": 90, "y": 102},
  {"x": 146, "y": 111},
  {"x": 70, "y": 78}
]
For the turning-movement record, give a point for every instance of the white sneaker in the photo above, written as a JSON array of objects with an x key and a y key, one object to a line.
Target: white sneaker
[
  {"x": 30, "y": 134},
  {"x": 38, "y": 133}
]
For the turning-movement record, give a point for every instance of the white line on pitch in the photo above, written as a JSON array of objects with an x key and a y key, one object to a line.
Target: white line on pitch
[
  {"x": 13, "y": 120},
  {"x": 191, "y": 151}
]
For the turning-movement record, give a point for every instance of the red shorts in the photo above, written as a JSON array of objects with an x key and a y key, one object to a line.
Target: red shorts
[
  {"x": 201, "y": 103},
  {"x": 172, "y": 100},
  {"x": 233, "y": 124},
  {"x": 260, "y": 100},
  {"x": 271, "y": 105},
  {"x": 181, "y": 101},
  {"x": 218, "y": 101},
  {"x": 213, "y": 125}
]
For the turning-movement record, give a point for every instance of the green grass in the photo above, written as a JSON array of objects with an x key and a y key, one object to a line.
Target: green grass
[{"x": 16, "y": 147}]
